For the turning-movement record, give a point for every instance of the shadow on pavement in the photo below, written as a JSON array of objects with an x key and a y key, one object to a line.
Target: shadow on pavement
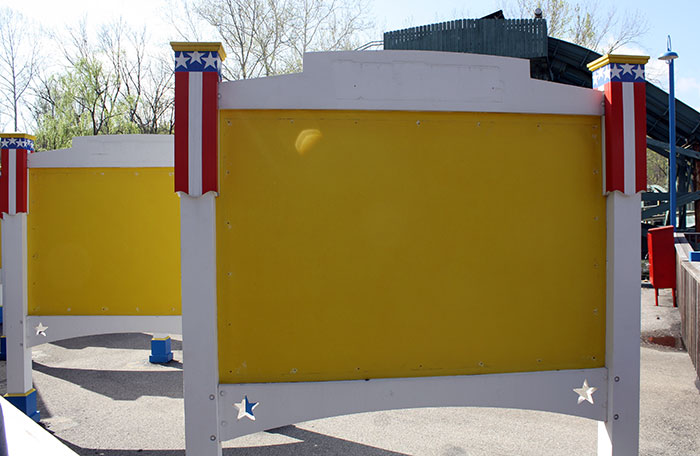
[
  {"x": 120, "y": 385},
  {"x": 93, "y": 452},
  {"x": 41, "y": 406},
  {"x": 312, "y": 443},
  {"x": 137, "y": 341}
]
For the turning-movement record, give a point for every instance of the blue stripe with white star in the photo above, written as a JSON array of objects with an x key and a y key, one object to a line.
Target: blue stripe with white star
[
  {"x": 618, "y": 72},
  {"x": 208, "y": 61},
  {"x": 17, "y": 143}
]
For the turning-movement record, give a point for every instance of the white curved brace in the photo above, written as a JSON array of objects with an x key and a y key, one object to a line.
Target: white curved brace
[
  {"x": 61, "y": 327},
  {"x": 280, "y": 404}
]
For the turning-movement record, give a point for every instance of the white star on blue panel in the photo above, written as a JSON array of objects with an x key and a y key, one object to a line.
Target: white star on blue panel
[
  {"x": 615, "y": 71},
  {"x": 197, "y": 61},
  {"x": 196, "y": 56},
  {"x": 638, "y": 72},
  {"x": 211, "y": 61},
  {"x": 181, "y": 60},
  {"x": 627, "y": 68}
]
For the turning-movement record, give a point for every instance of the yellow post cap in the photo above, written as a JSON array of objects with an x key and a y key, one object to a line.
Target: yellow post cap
[
  {"x": 607, "y": 59},
  {"x": 184, "y": 46},
  {"x": 18, "y": 135}
]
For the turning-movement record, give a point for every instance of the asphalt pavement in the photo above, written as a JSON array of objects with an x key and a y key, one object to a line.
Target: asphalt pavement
[{"x": 100, "y": 396}]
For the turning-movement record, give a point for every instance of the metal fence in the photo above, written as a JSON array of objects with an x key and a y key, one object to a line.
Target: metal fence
[{"x": 524, "y": 38}]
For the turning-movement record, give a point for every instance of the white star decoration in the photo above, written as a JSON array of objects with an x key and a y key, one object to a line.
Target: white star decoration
[
  {"x": 18, "y": 143},
  {"x": 615, "y": 71},
  {"x": 41, "y": 329},
  {"x": 181, "y": 61},
  {"x": 196, "y": 56},
  {"x": 638, "y": 72},
  {"x": 601, "y": 76},
  {"x": 585, "y": 393},
  {"x": 627, "y": 68},
  {"x": 211, "y": 61},
  {"x": 245, "y": 408}
]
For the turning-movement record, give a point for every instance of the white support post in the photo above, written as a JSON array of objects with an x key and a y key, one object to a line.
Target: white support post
[
  {"x": 619, "y": 435},
  {"x": 14, "y": 290},
  {"x": 621, "y": 79},
  {"x": 199, "y": 324}
]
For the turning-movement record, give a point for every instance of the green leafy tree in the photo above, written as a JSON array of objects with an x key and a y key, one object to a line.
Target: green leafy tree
[
  {"x": 112, "y": 87},
  {"x": 82, "y": 101},
  {"x": 657, "y": 169}
]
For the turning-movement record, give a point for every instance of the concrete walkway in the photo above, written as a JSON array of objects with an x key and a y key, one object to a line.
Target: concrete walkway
[{"x": 101, "y": 397}]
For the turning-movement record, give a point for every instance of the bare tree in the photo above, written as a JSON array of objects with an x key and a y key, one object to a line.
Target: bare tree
[
  {"x": 19, "y": 59},
  {"x": 186, "y": 22},
  {"x": 145, "y": 81},
  {"x": 110, "y": 85},
  {"x": 325, "y": 25},
  {"x": 268, "y": 37},
  {"x": 557, "y": 13},
  {"x": 584, "y": 22}
]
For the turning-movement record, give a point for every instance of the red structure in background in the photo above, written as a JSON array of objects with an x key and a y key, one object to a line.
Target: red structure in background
[{"x": 662, "y": 260}]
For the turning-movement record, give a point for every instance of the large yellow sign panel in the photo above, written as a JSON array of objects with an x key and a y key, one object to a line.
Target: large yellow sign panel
[
  {"x": 359, "y": 245},
  {"x": 103, "y": 241}
]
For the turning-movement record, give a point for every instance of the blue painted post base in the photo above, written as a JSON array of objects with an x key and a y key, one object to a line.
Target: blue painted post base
[
  {"x": 3, "y": 348},
  {"x": 160, "y": 351},
  {"x": 26, "y": 403},
  {"x": 694, "y": 256}
]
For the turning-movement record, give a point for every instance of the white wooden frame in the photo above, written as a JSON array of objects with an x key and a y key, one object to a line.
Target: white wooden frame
[
  {"x": 419, "y": 81},
  {"x": 119, "y": 151}
]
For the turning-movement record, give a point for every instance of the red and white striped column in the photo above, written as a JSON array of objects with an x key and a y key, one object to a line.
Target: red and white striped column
[
  {"x": 621, "y": 78},
  {"x": 197, "y": 76},
  {"x": 14, "y": 148}
]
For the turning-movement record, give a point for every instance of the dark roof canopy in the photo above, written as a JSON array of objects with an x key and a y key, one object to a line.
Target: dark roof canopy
[{"x": 562, "y": 61}]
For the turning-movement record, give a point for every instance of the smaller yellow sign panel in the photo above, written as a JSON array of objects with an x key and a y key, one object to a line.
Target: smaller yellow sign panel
[
  {"x": 103, "y": 241},
  {"x": 357, "y": 245}
]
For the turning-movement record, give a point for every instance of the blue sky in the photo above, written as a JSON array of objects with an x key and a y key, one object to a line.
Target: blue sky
[{"x": 675, "y": 17}]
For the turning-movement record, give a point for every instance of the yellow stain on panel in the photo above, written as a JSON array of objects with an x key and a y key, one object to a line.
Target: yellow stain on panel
[
  {"x": 103, "y": 241},
  {"x": 359, "y": 245}
]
